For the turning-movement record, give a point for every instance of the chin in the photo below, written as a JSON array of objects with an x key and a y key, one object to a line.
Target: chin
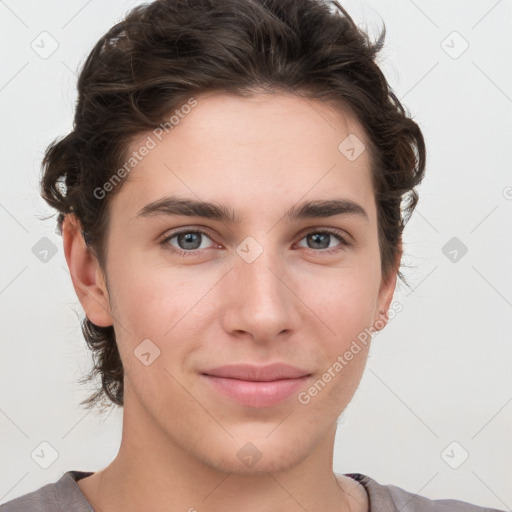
[{"x": 256, "y": 456}]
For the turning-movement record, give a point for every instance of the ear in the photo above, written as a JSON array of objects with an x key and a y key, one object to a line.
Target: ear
[
  {"x": 86, "y": 274},
  {"x": 386, "y": 292}
]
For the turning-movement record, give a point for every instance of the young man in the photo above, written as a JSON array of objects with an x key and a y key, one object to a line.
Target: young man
[{"x": 230, "y": 209}]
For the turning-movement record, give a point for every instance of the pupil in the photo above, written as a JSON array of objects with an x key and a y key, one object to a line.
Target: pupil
[
  {"x": 189, "y": 239},
  {"x": 321, "y": 235}
]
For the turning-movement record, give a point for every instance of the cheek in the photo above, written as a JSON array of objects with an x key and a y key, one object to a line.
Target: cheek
[
  {"x": 346, "y": 301},
  {"x": 346, "y": 306},
  {"x": 142, "y": 290},
  {"x": 156, "y": 302},
  {"x": 139, "y": 304},
  {"x": 159, "y": 302}
]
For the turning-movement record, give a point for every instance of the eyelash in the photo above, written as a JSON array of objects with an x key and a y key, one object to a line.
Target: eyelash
[{"x": 343, "y": 242}]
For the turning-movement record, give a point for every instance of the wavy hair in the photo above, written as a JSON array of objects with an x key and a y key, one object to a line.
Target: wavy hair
[{"x": 163, "y": 52}]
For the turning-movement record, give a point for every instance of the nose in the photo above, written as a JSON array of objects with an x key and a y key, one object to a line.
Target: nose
[{"x": 261, "y": 300}]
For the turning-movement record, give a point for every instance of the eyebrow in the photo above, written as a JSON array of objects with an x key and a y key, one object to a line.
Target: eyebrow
[{"x": 173, "y": 205}]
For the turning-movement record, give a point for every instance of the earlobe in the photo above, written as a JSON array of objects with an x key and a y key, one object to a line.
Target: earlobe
[
  {"x": 385, "y": 296},
  {"x": 386, "y": 292},
  {"x": 86, "y": 274}
]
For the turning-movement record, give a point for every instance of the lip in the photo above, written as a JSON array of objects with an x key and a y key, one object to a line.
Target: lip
[
  {"x": 276, "y": 371},
  {"x": 256, "y": 386}
]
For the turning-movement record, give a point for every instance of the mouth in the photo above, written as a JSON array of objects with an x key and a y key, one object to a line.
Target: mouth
[{"x": 254, "y": 386}]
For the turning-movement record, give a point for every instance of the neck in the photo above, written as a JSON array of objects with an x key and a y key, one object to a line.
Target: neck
[{"x": 152, "y": 472}]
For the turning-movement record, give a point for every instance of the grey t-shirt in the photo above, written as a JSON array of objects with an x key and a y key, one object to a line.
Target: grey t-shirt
[{"x": 65, "y": 496}]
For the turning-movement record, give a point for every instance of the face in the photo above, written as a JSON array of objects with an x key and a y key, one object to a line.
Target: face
[{"x": 189, "y": 294}]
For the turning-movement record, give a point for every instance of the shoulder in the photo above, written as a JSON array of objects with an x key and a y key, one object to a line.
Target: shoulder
[
  {"x": 390, "y": 498},
  {"x": 41, "y": 500},
  {"x": 61, "y": 496}
]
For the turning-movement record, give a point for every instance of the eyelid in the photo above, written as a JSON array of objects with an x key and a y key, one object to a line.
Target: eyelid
[
  {"x": 186, "y": 229},
  {"x": 331, "y": 230},
  {"x": 344, "y": 238}
]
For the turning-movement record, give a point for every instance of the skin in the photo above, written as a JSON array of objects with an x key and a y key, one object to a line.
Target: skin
[{"x": 293, "y": 304}]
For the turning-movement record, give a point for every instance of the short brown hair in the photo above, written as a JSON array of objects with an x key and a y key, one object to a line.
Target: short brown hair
[{"x": 164, "y": 52}]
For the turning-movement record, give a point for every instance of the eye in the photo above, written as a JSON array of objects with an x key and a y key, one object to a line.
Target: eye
[
  {"x": 321, "y": 240},
  {"x": 189, "y": 241}
]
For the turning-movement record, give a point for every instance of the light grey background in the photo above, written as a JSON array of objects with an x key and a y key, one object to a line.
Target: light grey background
[{"x": 437, "y": 383}]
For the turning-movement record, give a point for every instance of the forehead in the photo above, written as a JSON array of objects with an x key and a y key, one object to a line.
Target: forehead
[{"x": 268, "y": 146}]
